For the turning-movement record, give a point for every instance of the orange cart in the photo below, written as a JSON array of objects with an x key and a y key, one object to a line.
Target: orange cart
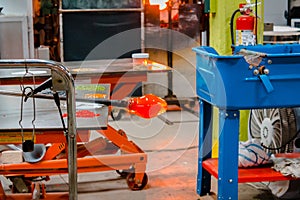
[{"x": 68, "y": 149}]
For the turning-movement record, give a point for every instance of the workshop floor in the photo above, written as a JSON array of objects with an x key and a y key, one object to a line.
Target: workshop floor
[{"x": 171, "y": 167}]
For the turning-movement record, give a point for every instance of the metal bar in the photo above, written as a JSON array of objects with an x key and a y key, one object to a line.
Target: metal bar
[
  {"x": 205, "y": 147},
  {"x": 108, "y": 102},
  {"x": 101, "y": 10},
  {"x": 228, "y": 151},
  {"x": 69, "y": 86},
  {"x": 86, "y": 164},
  {"x": 170, "y": 38},
  {"x": 61, "y": 38}
]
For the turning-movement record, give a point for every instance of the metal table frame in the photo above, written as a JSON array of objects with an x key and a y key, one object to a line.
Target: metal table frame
[
  {"x": 62, "y": 80},
  {"x": 228, "y": 148}
]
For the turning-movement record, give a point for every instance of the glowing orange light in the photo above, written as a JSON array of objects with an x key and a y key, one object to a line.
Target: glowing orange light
[
  {"x": 95, "y": 96},
  {"x": 84, "y": 114},
  {"x": 147, "y": 106},
  {"x": 162, "y": 3}
]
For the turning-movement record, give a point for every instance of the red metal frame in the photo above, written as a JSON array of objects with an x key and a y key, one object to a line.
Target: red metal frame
[
  {"x": 132, "y": 157},
  {"x": 254, "y": 174}
]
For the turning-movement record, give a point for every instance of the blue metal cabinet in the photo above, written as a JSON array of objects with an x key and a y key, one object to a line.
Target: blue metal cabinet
[{"x": 254, "y": 77}]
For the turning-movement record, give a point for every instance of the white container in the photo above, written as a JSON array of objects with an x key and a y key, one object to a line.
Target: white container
[
  {"x": 140, "y": 59},
  {"x": 42, "y": 52}
]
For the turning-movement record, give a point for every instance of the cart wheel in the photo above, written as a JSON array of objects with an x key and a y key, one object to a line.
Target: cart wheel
[
  {"x": 122, "y": 173},
  {"x": 136, "y": 186}
]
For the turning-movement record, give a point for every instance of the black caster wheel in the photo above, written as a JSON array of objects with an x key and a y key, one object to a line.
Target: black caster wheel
[{"x": 136, "y": 186}]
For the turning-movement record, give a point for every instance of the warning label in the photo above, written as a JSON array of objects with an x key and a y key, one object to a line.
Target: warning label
[{"x": 15, "y": 137}]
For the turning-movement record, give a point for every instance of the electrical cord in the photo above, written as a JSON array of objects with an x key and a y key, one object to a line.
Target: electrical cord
[
  {"x": 57, "y": 102},
  {"x": 282, "y": 146}
]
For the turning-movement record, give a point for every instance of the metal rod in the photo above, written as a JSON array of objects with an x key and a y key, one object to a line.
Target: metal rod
[
  {"x": 170, "y": 38},
  {"x": 101, "y": 10},
  {"x": 69, "y": 86},
  {"x": 108, "y": 102},
  {"x": 170, "y": 49}
]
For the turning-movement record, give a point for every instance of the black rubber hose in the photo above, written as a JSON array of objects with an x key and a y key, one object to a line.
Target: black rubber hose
[{"x": 231, "y": 25}]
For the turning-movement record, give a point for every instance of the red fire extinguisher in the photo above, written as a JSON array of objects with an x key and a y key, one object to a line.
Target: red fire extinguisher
[{"x": 245, "y": 27}]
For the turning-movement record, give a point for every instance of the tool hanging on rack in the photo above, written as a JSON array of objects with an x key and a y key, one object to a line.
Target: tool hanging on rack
[
  {"x": 27, "y": 144},
  {"x": 47, "y": 84}
]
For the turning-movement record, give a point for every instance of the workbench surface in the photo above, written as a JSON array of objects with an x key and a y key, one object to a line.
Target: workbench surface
[
  {"x": 92, "y": 68},
  {"x": 47, "y": 115}
]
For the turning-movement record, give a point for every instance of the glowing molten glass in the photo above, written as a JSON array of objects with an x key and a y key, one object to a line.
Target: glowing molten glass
[{"x": 147, "y": 106}]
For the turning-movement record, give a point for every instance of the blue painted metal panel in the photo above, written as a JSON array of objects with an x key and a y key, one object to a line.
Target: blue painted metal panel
[
  {"x": 228, "y": 151},
  {"x": 228, "y": 82},
  {"x": 205, "y": 147}
]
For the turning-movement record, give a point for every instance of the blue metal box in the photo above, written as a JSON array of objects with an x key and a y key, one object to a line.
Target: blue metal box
[{"x": 262, "y": 76}]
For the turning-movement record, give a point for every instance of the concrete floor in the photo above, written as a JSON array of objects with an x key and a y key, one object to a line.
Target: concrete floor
[{"x": 171, "y": 168}]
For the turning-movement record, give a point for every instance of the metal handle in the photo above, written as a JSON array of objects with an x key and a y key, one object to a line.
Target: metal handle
[{"x": 266, "y": 82}]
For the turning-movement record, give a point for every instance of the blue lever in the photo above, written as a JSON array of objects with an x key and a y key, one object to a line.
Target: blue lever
[{"x": 266, "y": 82}]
